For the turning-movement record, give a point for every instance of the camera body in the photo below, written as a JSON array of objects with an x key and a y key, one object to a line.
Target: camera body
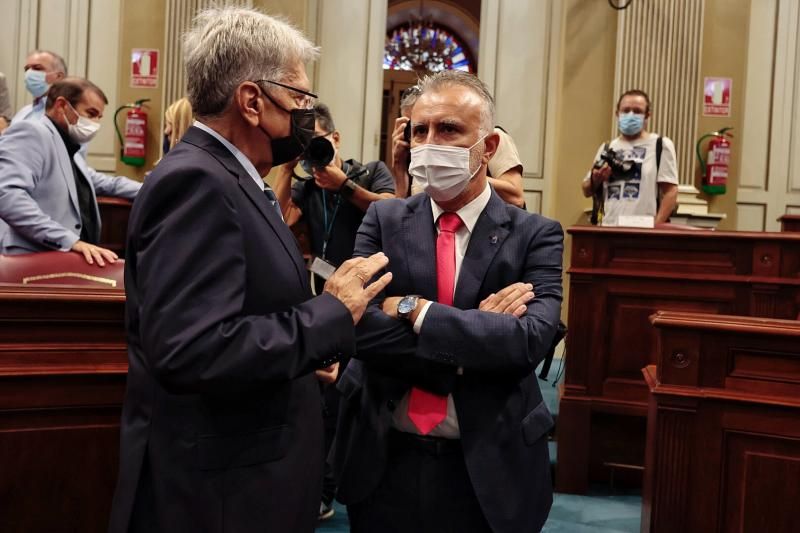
[{"x": 620, "y": 168}]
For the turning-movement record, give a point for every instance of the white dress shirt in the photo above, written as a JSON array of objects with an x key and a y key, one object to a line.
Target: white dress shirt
[
  {"x": 246, "y": 163},
  {"x": 469, "y": 215}
]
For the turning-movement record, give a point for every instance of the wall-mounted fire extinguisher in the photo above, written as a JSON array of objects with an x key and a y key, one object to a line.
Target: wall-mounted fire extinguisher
[
  {"x": 714, "y": 167},
  {"x": 133, "y": 149}
]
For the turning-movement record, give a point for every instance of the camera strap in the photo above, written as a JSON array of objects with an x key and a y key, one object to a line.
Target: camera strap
[
  {"x": 659, "y": 148},
  {"x": 597, "y": 200}
]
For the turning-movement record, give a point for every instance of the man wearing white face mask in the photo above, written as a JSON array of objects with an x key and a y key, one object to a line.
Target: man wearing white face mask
[
  {"x": 443, "y": 427},
  {"x": 42, "y": 69},
  {"x": 48, "y": 194},
  {"x": 645, "y": 181}
]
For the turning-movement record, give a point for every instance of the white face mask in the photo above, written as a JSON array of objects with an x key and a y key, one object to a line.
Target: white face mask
[
  {"x": 83, "y": 130},
  {"x": 442, "y": 171}
]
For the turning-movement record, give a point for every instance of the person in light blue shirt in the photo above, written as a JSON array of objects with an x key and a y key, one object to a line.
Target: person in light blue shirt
[{"x": 42, "y": 69}]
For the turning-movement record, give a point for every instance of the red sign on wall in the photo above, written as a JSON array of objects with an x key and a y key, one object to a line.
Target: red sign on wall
[
  {"x": 144, "y": 68},
  {"x": 717, "y": 97}
]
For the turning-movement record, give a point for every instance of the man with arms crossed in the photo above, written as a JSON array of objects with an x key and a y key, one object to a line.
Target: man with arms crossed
[
  {"x": 221, "y": 425},
  {"x": 443, "y": 427}
]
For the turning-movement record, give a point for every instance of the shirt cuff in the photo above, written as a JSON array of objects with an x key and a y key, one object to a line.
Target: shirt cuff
[{"x": 420, "y": 317}]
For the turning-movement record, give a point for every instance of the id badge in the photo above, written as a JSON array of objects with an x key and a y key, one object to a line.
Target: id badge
[{"x": 321, "y": 268}]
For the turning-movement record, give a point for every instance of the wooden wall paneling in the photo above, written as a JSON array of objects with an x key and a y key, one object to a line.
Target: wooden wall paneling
[
  {"x": 674, "y": 433},
  {"x": 63, "y": 363}
]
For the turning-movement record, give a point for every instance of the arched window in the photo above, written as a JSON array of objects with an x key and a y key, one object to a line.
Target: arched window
[{"x": 425, "y": 47}]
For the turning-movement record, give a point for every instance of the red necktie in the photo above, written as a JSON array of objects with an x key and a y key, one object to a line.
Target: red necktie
[{"x": 427, "y": 410}]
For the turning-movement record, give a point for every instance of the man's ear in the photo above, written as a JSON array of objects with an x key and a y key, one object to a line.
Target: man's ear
[
  {"x": 247, "y": 102},
  {"x": 491, "y": 142},
  {"x": 336, "y": 139}
]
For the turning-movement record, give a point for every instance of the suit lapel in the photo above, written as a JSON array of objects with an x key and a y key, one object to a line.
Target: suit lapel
[
  {"x": 280, "y": 228},
  {"x": 206, "y": 142},
  {"x": 64, "y": 163},
  {"x": 419, "y": 234},
  {"x": 486, "y": 240}
]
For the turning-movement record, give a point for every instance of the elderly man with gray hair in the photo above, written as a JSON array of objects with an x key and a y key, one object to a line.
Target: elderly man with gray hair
[
  {"x": 442, "y": 426},
  {"x": 221, "y": 425}
]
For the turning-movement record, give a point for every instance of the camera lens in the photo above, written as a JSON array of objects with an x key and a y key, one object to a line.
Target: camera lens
[{"x": 320, "y": 152}]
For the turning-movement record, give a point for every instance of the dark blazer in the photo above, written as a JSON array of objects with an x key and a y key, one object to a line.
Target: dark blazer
[
  {"x": 221, "y": 426},
  {"x": 502, "y": 418}
]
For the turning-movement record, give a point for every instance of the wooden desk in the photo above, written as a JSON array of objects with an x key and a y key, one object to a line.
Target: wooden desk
[
  {"x": 618, "y": 278},
  {"x": 790, "y": 222},
  {"x": 723, "y": 434},
  {"x": 63, "y": 365},
  {"x": 114, "y": 213}
]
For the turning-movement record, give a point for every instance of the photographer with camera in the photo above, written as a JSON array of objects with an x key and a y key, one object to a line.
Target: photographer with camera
[
  {"x": 333, "y": 195},
  {"x": 635, "y": 174},
  {"x": 331, "y": 198}
]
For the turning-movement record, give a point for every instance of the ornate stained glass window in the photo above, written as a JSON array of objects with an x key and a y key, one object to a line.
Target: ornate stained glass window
[{"x": 425, "y": 47}]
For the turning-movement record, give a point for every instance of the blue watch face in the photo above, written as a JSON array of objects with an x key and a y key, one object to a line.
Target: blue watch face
[{"x": 406, "y": 305}]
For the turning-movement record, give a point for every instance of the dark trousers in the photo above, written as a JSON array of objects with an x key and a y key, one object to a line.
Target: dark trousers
[
  {"x": 425, "y": 488},
  {"x": 330, "y": 412}
]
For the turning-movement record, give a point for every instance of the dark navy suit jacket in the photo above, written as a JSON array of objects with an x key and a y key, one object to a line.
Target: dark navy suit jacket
[
  {"x": 502, "y": 418},
  {"x": 221, "y": 425}
]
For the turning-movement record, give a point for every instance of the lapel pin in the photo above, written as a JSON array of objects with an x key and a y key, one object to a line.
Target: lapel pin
[{"x": 493, "y": 239}]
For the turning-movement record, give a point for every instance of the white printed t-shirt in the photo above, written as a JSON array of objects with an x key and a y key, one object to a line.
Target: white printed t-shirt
[{"x": 636, "y": 194}]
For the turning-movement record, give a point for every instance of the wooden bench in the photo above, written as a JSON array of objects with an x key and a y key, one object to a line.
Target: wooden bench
[
  {"x": 618, "y": 278},
  {"x": 723, "y": 434}
]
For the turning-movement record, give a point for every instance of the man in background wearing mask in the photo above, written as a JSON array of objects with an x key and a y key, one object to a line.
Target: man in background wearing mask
[
  {"x": 650, "y": 187},
  {"x": 221, "y": 425},
  {"x": 42, "y": 69},
  {"x": 48, "y": 194},
  {"x": 442, "y": 426},
  {"x": 334, "y": 196}
]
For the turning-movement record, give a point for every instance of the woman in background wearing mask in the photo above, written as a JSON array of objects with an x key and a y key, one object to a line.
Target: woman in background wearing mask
[
  {"x": 48, "y": 194},
  {"x": 635, "y": 174}
]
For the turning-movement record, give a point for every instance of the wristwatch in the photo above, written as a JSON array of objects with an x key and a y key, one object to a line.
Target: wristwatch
[
  {"x": 348, "y": 187},
  {"x": 406, "y": 305}
]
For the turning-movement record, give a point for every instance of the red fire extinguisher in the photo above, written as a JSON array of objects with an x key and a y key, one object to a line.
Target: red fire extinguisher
[
  {"x": 715, "y": 166},
  {"x": 133, "y": 149}
]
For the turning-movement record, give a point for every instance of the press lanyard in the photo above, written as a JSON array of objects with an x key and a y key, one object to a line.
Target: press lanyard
[{"x": 328, "y": 227}]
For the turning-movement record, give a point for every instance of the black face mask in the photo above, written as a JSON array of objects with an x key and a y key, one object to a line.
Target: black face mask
[
  {"x": 301, "y": 132},
  {"x": 166, "y": 144}
]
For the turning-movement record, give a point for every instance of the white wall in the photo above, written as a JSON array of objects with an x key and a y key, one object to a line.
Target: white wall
[
  {"x": 349, "y": 75},
  {"x": 769, "y": 185},
  {"x": 517, "y": 60},
  {"x": 85, "y": 33}
]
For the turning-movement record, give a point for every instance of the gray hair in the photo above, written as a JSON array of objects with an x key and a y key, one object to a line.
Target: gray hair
[
  {"x": 59, "y": 65},
  {"x": 408, "y": 98},
  {"x": 449, "y": 78},
  {"x": 230, "y": 45}
]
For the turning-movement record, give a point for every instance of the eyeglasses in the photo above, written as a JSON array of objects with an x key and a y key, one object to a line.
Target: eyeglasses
[{"x": 306, "y": 101}]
